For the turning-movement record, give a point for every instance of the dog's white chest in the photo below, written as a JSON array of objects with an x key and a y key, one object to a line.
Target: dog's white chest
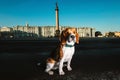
[{"x": 67, "y": 53}]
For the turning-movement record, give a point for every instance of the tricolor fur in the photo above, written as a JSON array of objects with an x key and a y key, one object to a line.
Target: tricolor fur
[{"x": 64, "y": 52}]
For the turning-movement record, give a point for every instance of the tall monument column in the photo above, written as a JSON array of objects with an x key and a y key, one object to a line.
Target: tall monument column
[{"x": 57, "y": 32}]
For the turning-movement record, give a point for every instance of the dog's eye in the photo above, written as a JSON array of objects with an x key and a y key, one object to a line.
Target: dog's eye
[{"x": 67, "y": 33}]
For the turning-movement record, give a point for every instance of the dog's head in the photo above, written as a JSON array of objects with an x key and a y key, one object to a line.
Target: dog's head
[{"x": 69, "y": 36}]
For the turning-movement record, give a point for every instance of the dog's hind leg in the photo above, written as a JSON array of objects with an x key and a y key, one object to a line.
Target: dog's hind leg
[
  {"x": 49, "y": 67},
  {"x": 56, "y": 66}
]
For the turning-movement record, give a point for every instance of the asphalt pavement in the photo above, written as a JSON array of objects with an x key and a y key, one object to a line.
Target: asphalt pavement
[{"x": 94, "y": 59}]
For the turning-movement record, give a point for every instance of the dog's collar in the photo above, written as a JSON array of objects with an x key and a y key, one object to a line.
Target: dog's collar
[{"x": 67, "y": 45}]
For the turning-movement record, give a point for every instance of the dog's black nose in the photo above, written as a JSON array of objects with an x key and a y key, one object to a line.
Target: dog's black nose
[{"x": 72, "y": 36}]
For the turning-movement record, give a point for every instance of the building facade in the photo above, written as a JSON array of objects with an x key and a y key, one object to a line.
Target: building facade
[
  {"x": 6, "y": 32},
  {"x": 26, "y": 31},
  {"x": 117, "y": 34},
  {"x": 86, "y": 32},
  {"x": 22, "y": 32},
  {"x": 112, "y": 34},
  {"x": 49, "y": 31}
]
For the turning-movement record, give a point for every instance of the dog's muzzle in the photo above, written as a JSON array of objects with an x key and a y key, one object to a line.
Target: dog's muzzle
[{"x": 71, "y": 38}]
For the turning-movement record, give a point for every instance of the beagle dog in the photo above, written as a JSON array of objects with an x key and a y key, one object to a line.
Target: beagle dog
[{"x": 64, "y": 52}]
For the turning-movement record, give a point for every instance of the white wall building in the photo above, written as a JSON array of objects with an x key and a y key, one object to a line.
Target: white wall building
[
  {"x": 26, "y": 31},
  {"x": 44, "y": 31},
  {"x": 86, "y": 32},
  {"x": 47, "y": 31}
]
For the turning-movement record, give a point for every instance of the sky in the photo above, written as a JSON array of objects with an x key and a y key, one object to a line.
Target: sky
[{"x": 103, "y": 15}]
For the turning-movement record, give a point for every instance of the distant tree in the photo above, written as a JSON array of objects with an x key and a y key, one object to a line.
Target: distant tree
[
  {"x": 98, "y": 33},
  {"x": 111, "y": 34}
]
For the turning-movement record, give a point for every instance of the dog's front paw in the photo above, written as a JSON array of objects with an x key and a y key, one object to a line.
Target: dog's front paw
[
  {"x": 69, "y": 69},
  {"x": 61, "y": 73}
]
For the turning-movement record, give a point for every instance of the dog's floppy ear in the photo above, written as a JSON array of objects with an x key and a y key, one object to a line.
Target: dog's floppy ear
[
  {"x": 63, "y": 37},
  {"x": 77, "y": 38}
]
